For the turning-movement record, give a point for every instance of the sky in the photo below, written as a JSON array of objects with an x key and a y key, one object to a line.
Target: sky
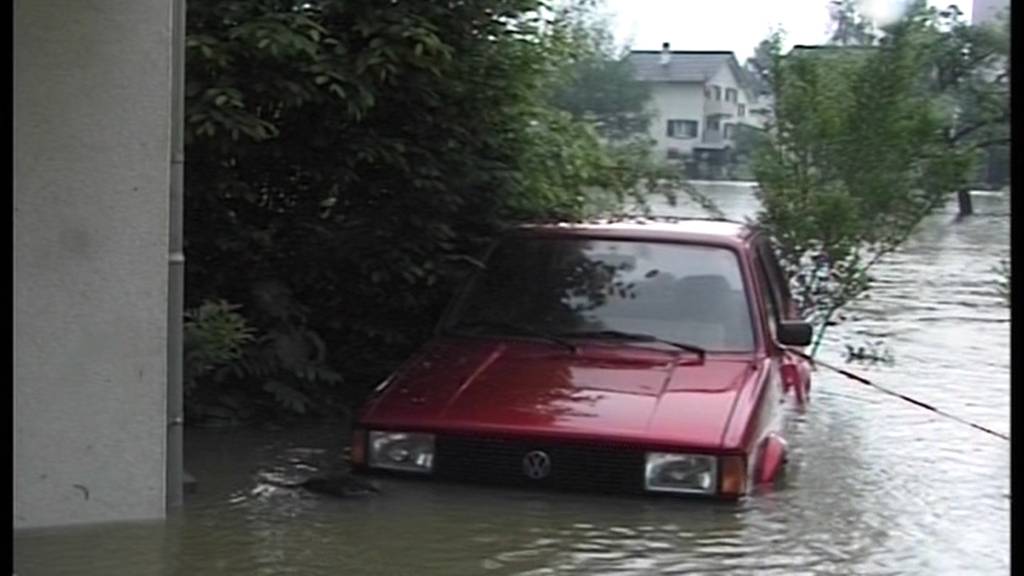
[{"x": 736, "y": 25}]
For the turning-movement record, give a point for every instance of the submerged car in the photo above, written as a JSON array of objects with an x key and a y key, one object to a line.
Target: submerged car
[{"x": 644, "y": 356}]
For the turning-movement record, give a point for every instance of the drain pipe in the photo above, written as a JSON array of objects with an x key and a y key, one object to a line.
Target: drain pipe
[{"x": 176, "y": 262}]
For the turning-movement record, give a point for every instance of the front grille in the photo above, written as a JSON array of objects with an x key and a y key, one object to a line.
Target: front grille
[{"x": 573, "y": 466}]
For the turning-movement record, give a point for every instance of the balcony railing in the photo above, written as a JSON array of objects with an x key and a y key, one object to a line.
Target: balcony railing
[
  {"x": 714, "y": 107},
  {"x": 715, "y": 139}
]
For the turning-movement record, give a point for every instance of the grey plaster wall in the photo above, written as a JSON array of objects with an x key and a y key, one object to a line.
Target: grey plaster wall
[{"x": 92, "y": 102}]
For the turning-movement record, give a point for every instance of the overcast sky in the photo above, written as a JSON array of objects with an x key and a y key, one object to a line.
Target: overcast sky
[{"x": 736, "y": 25}]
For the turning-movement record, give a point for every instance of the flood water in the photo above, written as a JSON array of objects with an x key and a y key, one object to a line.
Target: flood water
[{"x": 875, "y": 485}]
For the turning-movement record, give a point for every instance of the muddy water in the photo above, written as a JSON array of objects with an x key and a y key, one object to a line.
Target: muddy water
[{"x": 875, "y": 486}]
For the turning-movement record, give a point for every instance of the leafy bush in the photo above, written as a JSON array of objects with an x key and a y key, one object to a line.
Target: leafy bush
[
  {"x": 347, "y": 158},
  {"x": 232, "y": 373},
  {"x": 214, "y": 336},
  {"x": 289, "y": 361}
]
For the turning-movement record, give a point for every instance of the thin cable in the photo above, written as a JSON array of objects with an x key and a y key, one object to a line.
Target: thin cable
[{"x": 867, "y": 382}]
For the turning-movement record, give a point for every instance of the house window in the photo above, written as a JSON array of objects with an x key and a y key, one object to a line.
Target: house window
[
  {"x": 681, "y": 129},
  {"x": 718, "y": 92},
  {"x": 742, "y": 110},
  {"x": 712, "y": 124},
  {"x": 729, "y": 130},
  {"x": 730, "y": 94}
]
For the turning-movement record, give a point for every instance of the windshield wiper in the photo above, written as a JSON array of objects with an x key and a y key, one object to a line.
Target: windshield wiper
[
  {"x": 635, "y": 337},
  {"x": 516, "y": 329}
]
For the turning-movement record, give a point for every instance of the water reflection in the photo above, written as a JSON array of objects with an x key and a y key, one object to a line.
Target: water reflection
[{"x": 875, "y": 486}]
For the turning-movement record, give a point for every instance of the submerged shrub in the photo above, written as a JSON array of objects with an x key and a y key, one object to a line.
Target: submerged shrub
[{"x": 215, "y": 335}]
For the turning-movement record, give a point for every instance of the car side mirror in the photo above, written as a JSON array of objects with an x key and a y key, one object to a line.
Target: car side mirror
[{"x": 795, "y": 333}]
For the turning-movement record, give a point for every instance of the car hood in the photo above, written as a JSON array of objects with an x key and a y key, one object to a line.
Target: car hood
[{"x": 614, "y": 391}]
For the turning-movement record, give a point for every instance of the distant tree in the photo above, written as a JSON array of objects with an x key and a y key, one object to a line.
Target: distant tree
[
  {"x": 748, "y": 141},
  {"x": 971, "y": 71},
  {"x": 601, "y": 88},
  {"x": 598, "y": 88},
  {"x": 759, "y": 65},
  {"x": 970, "y": 66},
  {"x": 849, "y": 26}
]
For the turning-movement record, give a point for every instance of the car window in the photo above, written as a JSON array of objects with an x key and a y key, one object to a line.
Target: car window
[
  {"x": 767, "y": 295},
  {"x": 560, "y": 285},
  {"x": 777, "y": 279}
]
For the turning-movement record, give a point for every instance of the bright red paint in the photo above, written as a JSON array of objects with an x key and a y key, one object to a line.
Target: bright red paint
[
  {"x": 773, "y": 457},
  {"x": 609, "y": 392}
]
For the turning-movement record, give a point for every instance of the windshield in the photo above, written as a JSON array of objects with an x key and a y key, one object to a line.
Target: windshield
[{"x": 565, "y": 286}]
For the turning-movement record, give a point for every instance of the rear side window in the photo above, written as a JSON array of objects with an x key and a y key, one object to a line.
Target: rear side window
[
  {"x": 768, "y": 295},
  {"x": 777, "y": 282}
]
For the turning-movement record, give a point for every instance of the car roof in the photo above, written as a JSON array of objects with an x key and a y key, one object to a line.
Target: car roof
[{"x": 716, "y": 231}]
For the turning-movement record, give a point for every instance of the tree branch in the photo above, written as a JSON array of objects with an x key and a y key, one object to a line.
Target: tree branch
[
  {"x": 967, "y": 131},
  {"x": 991, "y": 142}
]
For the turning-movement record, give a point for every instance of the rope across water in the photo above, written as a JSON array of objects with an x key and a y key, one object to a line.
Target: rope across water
[{"x": 904, "y": 397}]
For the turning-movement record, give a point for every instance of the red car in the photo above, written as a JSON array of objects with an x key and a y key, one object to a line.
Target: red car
[{"x": 630, "y": 357}]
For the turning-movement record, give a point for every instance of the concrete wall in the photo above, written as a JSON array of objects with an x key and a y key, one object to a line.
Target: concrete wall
[{"x": 92, "y": 99}]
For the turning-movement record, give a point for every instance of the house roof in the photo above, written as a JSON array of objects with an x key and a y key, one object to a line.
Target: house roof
[
  {"x": 684, "y": 66},
  {"x": 831, "y": 48}
]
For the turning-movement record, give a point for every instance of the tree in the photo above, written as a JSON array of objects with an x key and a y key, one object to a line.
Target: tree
[
  {"x": 748, "y": 141},
  {"x": 760, "y": 64},
  {"x": 971, "y": 70},
  {"x": 849, "y": 26},
  {"x": 601, "y": 88},
  {"x": 971, "y": 73},
  {"x": 857, "y": 156}
]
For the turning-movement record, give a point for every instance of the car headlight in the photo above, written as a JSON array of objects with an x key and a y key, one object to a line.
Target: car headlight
[
  {"x": 684, "y": 473},
  {"x": 407, "y": 451}
]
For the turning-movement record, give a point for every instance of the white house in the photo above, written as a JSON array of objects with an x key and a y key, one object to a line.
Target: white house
[{"x": 698, "y": 100}]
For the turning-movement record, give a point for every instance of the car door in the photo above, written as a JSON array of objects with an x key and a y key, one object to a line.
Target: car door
[{"x": 795, "y": 370}]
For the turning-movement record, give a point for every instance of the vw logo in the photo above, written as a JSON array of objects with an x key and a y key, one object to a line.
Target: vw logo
[{"x": 537, "y": 465}]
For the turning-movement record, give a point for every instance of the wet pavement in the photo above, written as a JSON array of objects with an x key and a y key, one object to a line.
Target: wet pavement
[{"x": 875, "y": 485}]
